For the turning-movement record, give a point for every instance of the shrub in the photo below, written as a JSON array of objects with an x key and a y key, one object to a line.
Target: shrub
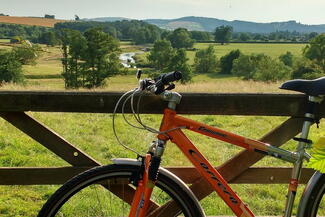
[
  {"x": 287, "y": 59},
  {"x": 26, "y": 53},
  {"x": 306, "y": 69},
  {"x": 260, "y": 67},
  {"x": 226, "y": 61},
  {"x": 205, "y": 61},
  {"x": 10, "y": 68}
]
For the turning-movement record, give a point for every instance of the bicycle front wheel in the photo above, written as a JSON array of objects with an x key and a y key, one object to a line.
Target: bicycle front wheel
[{"x": 107, "y": 191}]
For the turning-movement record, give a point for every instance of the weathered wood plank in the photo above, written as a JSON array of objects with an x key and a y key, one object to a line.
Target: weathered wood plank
[
  {"x": 49, "y": 139},
  {"x": 104, "y": 102},
  {"x": 59, "y": 175}
]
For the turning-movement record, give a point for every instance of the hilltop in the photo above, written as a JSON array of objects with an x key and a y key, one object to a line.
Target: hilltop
[
  {"x": 209, "y": 24},
  {"x": 31, "y": 21}
]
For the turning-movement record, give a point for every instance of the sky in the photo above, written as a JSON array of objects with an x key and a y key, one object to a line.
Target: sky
[{"x": 303, "y": 11}]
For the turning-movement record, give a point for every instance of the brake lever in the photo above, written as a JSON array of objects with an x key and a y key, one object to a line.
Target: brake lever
[{"x": 170, "y": 86}]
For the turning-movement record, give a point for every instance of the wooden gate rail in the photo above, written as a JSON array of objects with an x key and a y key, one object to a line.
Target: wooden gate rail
[{"x": 238, "y": 169}]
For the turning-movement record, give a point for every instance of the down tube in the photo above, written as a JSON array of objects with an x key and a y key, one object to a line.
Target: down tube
[{"x": 210, "y": 174}]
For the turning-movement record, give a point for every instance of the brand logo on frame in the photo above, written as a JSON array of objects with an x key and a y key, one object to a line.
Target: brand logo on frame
[
  {"x": 198, "y": 159},
  {"x": 211, "y": 131}
]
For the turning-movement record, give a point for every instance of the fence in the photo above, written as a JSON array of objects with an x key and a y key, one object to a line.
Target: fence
[{"x": 238, "y": 169}]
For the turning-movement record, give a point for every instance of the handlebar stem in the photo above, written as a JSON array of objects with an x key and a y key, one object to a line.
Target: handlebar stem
[{"x": 173, "y": 98}]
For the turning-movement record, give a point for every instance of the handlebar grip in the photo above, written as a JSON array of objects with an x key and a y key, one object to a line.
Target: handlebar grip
[{"x": 170, "y": 77}]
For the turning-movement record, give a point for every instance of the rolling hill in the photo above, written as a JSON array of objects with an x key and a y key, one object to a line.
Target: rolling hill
[
  {"x": 31, "y": 21},
  {"x": 209, "y": 24}
]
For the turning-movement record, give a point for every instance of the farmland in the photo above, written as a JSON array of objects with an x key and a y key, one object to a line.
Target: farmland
[
  {"x": 93, "y": 133},
  {"x": 31, "y": 21}
]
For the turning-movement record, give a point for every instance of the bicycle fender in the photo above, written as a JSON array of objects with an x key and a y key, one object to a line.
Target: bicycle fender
[
  {"x": 176, "y": 179},
  {"x": 306, "y": 196}
]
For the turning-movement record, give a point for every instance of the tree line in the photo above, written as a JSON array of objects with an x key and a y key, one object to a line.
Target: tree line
[
  {"x": 141, "y": 33},
  {"x": 311, "y": 65}
]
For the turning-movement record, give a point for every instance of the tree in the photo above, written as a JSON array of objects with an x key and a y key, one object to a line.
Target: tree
[
  {"x": 181, "y": 38},
  {"x": 98, "y": 57},
  {"x": 260, "y": 67},
  {"x": 287, "y": 58},
  {"x": 223, "y": 34},
  {"x": 205, "y": 61},
  {"x": 49, "y": 38},
  {"x": 161, "y": 54},
  {"x": 10, "y": 68},
  {"x": 48, "y": 16},
  {"x": 165, "y": 59},
  {"x": 315, "y": 51},
  {"x": 201, "y": 36},
  {"x": 76, "y": 17},
  {"x": 179, "y": 63},
  {"x": 89, "y": 58},
  {"x": 26, "y": 53},
  {"x": 244, "y": 36},
  {"x": 226, "y": 61}
]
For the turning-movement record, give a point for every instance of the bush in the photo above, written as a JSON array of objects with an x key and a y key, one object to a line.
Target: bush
[
  {"x": 287, "y": 59},
  {"x": 260, "y": 67},
  {"x": 306, "y": 69},
  {"x": 10, "y": 68},
  {"x": 205, "y": 61},
  {"x": 26, "y": 53},
  {"x": 226, "y": 61}
]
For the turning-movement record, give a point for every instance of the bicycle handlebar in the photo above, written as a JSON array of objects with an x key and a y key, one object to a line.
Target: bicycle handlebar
[
  {"x": 166, "y": 78},
  {"x": 157, "y": 85}
]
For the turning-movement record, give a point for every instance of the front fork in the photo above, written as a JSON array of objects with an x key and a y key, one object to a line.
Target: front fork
[{"x": 147, "y": 179}]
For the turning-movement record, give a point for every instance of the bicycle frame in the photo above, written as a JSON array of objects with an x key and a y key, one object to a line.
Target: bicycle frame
[
  {"x": 172, "y": 124},
  {"x": 218, "y": 183}
]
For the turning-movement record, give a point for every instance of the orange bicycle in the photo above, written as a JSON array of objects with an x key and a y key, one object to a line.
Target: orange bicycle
[{"x": 141, "y": 188}]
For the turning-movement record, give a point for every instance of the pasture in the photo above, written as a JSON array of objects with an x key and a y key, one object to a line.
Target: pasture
[
  {"x": 273, "y": 50},
  {"x": 93, "y": 134}
]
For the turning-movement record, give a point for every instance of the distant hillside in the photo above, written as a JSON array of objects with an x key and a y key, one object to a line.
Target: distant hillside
[
  {"x": 106, "y": 19},
  {"x": 32, "y": 21},
  {"x": 209, "y": 24}
]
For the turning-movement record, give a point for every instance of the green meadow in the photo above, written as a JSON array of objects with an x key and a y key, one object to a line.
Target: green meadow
[{"x": 93, "y": 134}]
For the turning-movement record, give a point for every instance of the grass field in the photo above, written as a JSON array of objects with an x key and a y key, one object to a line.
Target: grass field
[
  {"x": 31, "y": 21},
  {"x": 93, "y": 134},
  {"x": 273, "y": 50}
]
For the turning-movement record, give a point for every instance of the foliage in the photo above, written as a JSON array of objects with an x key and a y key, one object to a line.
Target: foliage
[
  {"x": 49, "y": 38},
  {"x": 205, "y": 61},
  {"x": 139, "y": 31},
  {"x": 161, "y": 54},
  {"x": 10, "y": 67},
  {"x": 164, "y": 58},
  {"x": 315, "y": 51},
  {"x": 89, "y": 58},
  {"x": 26, "y": 53},
  {"x": 201, "y": 36},
  {"x": 317, "y": 160},
  {"x": 244, "y": 36},
  {"x": 287, "y": 58},
  {"x": 179, "y": 63},
  {"x": 305, "y": 69},
  {"x": 48, "y": 16},
  {"x": 222, "y": 34},
  {"x": 181, "y": 38},
  {"x": 25, "y": 32},
  {"x": 260, "y": 67},
  {"x": 226, "y": 61}
]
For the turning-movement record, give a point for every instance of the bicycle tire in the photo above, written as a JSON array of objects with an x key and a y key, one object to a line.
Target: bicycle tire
[
  {"x": 116, "y": 174},
  {"x": 313, "y": 197}
]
